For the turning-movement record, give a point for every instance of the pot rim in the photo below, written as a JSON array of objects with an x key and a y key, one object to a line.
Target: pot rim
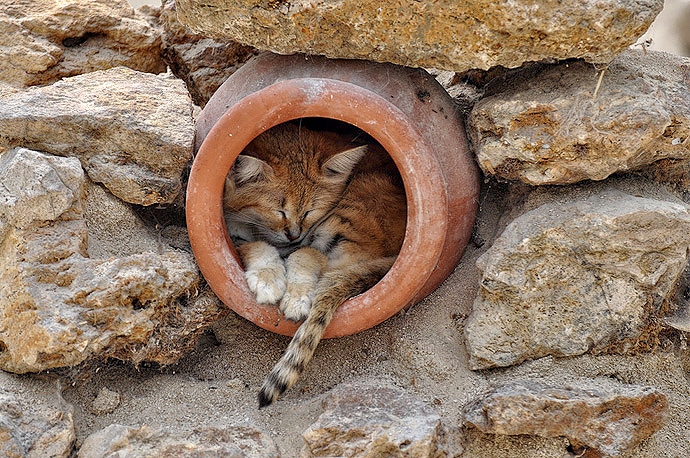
[{"x": 322, "y": 98}]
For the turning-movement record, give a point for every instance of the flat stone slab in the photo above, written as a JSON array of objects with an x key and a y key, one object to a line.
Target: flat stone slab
[
  {"x": 373, "y": 420},
  {"x": 606, "y": 416},
  {"x": 235, "y": 441},
  {"x": 444, "y": 34}
]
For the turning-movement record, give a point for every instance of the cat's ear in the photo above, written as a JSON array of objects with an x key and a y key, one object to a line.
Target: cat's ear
[
  {"x": 248, "y": 168},
  {"x": 342, "y": 164}
]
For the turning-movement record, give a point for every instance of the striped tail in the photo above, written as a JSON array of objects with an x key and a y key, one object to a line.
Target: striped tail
[{"x": 334, "y": 288}]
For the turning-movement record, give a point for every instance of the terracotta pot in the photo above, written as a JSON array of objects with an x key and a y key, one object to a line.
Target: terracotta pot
[{"x": 404, "y": 109}]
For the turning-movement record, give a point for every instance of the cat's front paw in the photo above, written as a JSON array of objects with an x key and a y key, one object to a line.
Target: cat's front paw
[
  {"x": 268, "y": 284},
  {"x": 296, "y": 302},
  {"x": 264, "y": 271}
]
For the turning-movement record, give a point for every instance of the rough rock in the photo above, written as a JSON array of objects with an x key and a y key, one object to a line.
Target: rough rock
[
  {"x": 33, "y": 425},
  {"x": 203, "y": 63},
  {"x": 445, "y": 34},
  {"x": 373, "y": 420},
  {"x": 105, "y": 402},
  {"x": 7, "y": 89},
  {"x": 603, "y": 415},
  {"x": 570, "y": 122},
  {"x": 42, "y": 41},
  {"x": 111, "y": 223},
  {"x": 132, "y": 131},
  {"x": 206, "y": 441},
  {"x": 36, "y": 187},
  {"x": 591, "y": 273},
  {"x": 457, "y": 85},
  {"x": 59, "y": 307}
]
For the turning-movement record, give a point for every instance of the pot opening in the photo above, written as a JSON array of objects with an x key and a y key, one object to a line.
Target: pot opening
[{"x": 321, "y": 183}]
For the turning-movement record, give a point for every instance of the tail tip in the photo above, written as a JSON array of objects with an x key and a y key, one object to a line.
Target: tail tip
[
  {"x": 264, "y": 399},
  {"x": 273, "y": 387}
]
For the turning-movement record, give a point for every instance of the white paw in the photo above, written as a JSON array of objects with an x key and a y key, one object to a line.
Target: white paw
[
  {"x": 296, "y": 302},
  {"x": 268, "y": 283}
]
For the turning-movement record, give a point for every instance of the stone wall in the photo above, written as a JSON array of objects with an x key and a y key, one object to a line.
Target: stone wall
[{"x": 584, "y": 144}]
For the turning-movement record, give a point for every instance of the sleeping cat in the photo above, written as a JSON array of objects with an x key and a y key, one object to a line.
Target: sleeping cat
[{"x": 316, "y": 220}]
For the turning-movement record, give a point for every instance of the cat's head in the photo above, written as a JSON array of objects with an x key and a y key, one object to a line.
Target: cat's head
[{"x": 283, "y": 197}]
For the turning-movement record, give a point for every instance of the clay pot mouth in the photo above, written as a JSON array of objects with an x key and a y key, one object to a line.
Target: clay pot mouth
[{"x": 297, "y": 98}]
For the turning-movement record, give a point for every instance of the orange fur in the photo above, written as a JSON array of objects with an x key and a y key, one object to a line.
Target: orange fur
[{"x": 317, "y": 220}]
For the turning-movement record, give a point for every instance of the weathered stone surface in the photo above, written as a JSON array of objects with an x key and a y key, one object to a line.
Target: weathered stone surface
[
  {"x": 446, "y": 34},
  {"x": 561, "y": 126},
  {"x": 33, "y": 425},
  {"x": 606, "y": 416},
  {"x": 568, "y": 277},
  {"x": 205, "y": 441},
  {"x": 203, "y": 63},
  {"x": 106, "y": 401},
  {"x": 111, "y": 223},
  {"x": 463, "y": 93},
  {"x": 675, "y": 171},
  {"x": 59, "y": 307},
  {"x": 132, "y": 131},
  {"x": 371, "y": 420},
  {"x": 42, "y": 41},
  {"x": 36, "y": 187},
  {"x": 7, "y": 89}
]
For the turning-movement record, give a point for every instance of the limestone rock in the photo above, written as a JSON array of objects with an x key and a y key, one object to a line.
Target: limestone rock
[
  {"x": 33, "y": 425},
  {"x": 7, "y": 89},
  {"x": 132, "y": 131},
  {"x": 591, "y": 273},
  {"x": 602, "y": 415},
  {"x": 205, "y": 441},
  {"x": 59, "y": 307},
  {"x": 203, "y": 63},
  {"x": 370, "y": 420},
  {"x": 111, "y": 223},
  {"x": 550, "y": 128},
  {"x": 445, "y": 34},
  {"x": 42, "y": 191},
  {"x": 42, "y": 41}
]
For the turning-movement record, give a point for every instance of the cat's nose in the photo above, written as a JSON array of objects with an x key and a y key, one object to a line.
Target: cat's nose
[{"x": 292, "y": 234}]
